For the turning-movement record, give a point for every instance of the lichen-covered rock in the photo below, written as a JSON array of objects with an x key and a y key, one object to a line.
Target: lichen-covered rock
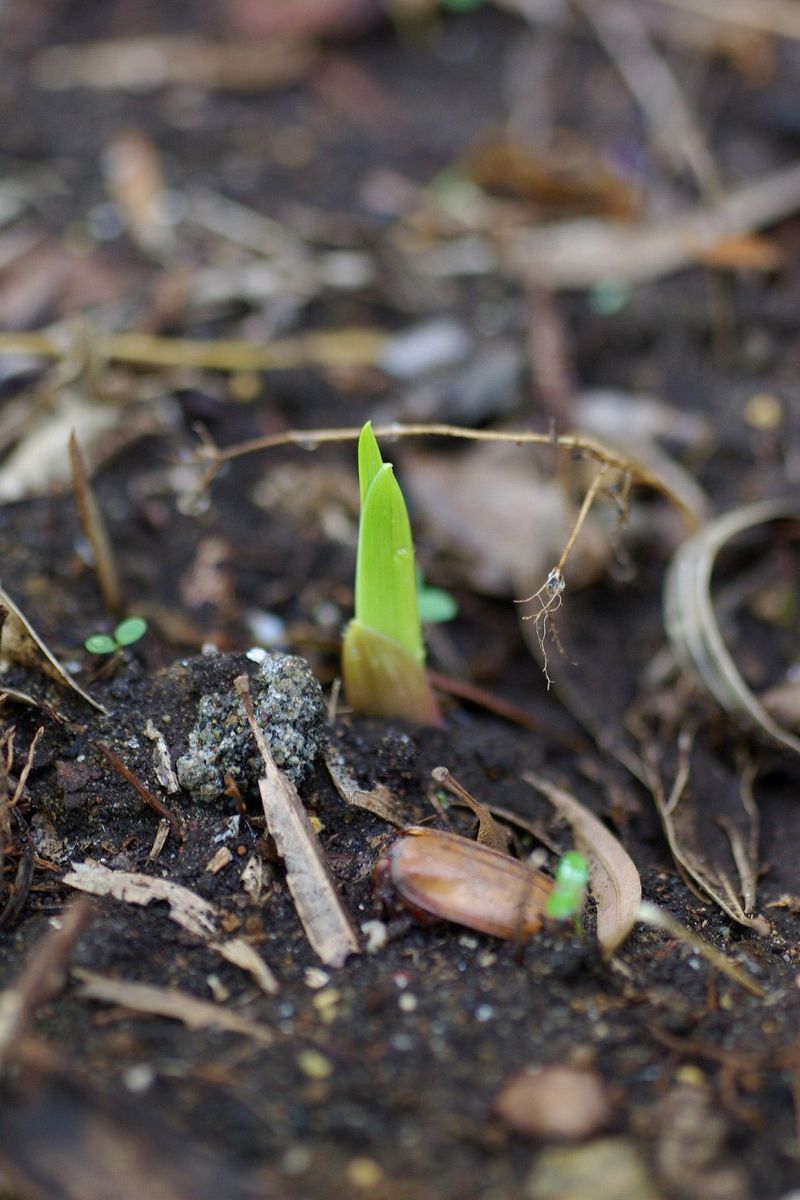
[{"x": 289, "y": 707}]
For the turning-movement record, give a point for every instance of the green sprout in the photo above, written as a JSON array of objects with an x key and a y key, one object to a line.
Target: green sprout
[
  {"x": 569, "y": 890},
  {"x": 383, "y": 656},
  {"x": 126, "y": 633}
]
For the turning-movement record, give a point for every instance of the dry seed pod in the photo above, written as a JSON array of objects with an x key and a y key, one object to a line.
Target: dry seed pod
[{"x": 442, "y": 876}]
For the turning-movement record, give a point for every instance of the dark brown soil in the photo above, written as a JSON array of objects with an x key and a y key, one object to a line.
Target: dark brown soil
[{"x": 412, "y": 1042}]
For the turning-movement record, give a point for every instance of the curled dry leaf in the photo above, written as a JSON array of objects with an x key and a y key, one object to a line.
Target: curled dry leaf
[
  {"x": 20, "y": 643},
  {"x": 489, "y": 832},
  {"x": 691, "y": 622},
  {"x": 613, "y": 878},
  {"x": 554, "y": 1102}
]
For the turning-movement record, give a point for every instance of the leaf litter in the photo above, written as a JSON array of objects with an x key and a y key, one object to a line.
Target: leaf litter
[{"x": 418, "y": 960}]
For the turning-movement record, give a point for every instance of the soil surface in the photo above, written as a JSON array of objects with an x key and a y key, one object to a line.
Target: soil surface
[{"x": 381, "y": 1078}]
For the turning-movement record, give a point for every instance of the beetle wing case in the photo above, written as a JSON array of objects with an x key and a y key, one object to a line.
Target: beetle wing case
[{"x": 450, "y": 878}]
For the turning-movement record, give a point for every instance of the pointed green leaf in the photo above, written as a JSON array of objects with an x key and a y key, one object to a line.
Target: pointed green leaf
[
  {"x": 386, "y": 592},
  {"x": 369, "y": 460}
]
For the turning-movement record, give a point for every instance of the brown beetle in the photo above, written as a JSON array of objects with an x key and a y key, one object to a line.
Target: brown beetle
[{"x": 438, "y": 876}]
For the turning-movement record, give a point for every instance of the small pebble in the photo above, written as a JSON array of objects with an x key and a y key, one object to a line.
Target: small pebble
[
  {"x": 314, "y": 1065},
  {"x": 364, "y": 1172}
]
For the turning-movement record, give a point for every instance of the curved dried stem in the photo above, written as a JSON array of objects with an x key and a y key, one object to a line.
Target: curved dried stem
[{"x": 214, "y": 457}]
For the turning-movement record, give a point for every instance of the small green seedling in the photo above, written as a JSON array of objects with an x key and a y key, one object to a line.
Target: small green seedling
[
  {"x": 435, "y": 605},
  {"x": 126, "y": 633},
  {"x": 383, "y": 656},
  {"x": 569, "y": 890}
]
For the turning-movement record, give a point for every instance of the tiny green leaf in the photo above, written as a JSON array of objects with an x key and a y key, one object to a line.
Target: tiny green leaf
[
  {"x": 130, "y": 630},
  {"x": 100, "y": 643},
  {"x": 435, "y": 604}
]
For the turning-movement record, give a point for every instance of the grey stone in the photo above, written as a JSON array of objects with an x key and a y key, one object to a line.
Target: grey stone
[{"x": 289, "y": 707}]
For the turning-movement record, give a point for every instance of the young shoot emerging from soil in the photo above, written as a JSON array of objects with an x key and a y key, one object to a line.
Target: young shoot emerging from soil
[
  {"x": 569, "y": 891},
  {"x": 126, "y": 633},
  {"x": 383, "y": 656}
]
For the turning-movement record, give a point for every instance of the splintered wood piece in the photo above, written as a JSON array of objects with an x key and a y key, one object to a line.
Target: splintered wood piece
[
  {"x": 328, "y": 926},
  {"x": 445, "y": 877}
]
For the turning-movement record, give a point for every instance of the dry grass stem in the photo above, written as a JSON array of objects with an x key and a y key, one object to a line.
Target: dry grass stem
[
  {"x": 96, "y": 533},
  {"x": 26, "y": 770},
  {"x": 170, "y": 1003},
  {"x": 651, "y": 914}
]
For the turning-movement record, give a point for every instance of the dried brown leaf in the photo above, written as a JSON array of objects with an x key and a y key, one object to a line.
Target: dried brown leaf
[
  {"x": 20, "y": 643},
  {"x": 504, "y": 540},
  {"x": 169, "y": 1002},
  {"x": 578, "y": 254},
  {"x": 378, "y": 800},
  {"x": 692, "y": 625},
  {"x": 613, "y": 878},
  {"x": 194, "y": 914}
]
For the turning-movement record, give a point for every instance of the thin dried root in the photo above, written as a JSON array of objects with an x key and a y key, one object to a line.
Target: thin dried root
[
  {"x": 550, "y": 598},
  {"x": 550, "y": 595}
]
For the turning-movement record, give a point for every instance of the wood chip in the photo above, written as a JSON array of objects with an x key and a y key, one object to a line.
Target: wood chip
[
  {"x": 169, "y": 1002},
  {"x": 219, "y": 861},
  {"x": 328, "y": 926},
  {"x": 162, "y": 759},
  {"x": 186, "y": 908},
  {"x": 242, "y": 954},
  {"x": 613, "y": 878}
]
